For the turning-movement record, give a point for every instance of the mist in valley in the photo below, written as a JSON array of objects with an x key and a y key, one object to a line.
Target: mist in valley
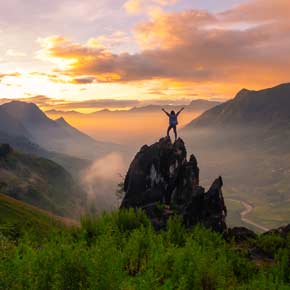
[
  {"x": 100, "y": 181},
  {"x": 251, "y": 173},
  {"x": 252, "y": 160}
]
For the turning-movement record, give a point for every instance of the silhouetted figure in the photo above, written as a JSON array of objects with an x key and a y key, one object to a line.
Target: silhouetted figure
[{"x": 173, "y": 122}]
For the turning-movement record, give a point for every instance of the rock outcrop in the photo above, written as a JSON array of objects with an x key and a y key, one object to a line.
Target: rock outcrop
[
  {"x": 161, "y": 181},
  {"x": 283, "y": 231},
  {"x": 240, "y": 234}
]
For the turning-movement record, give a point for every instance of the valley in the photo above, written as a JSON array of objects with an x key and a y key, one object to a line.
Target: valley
[
  {"x": 248, "y": 151},
  {"x": 247, "y": 140},
  {"x": 243, "y": 214}
]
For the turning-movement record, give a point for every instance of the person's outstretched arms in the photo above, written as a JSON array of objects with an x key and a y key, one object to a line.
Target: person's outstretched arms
[
  {"x": 179, "y": 111},
  {"x": 165, "y": 112}
]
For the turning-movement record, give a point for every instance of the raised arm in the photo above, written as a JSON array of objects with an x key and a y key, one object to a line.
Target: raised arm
[
  {"x": 179, "y": 111},
  {"x": 165, "y": 112}
]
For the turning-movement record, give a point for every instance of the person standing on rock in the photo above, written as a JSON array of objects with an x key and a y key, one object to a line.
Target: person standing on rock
[{"x": 173, "y": 122}]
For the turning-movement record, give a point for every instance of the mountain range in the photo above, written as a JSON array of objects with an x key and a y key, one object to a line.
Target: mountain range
[
  {"x": 247, "y": 140},
  {"x": 25, "y": 123},
  {"x": 268, "y": 107},
  {"x": 198, "y": 105},
  {"x": 134, "y": 126}
]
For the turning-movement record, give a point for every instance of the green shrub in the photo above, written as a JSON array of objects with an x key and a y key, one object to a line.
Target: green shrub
[
  {"x": 175, "y": 233},
  {"x": 270, "y": 243},
  {"x": 121, "y": 251}
]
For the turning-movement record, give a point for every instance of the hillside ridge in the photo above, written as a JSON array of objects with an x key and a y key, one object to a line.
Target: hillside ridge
[
  {"x": 40, "y": 182},
  {"x": 27, "y": 120},
  {"x": 267, "y": 107}
]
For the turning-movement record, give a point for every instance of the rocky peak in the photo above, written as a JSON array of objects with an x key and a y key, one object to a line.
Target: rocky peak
[
  {"x": 24, "y": 112},
  {"x": 162, "y": 181},
  {"x": 62, "y": 122}
]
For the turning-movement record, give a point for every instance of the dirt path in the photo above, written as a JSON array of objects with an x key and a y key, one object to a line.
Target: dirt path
[{"x": 248, "y": 209}]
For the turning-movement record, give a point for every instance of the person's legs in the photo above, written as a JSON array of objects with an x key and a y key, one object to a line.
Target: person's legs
[
  {"x": 168, "y": 130},
  {"x": 175, "y": 132}
]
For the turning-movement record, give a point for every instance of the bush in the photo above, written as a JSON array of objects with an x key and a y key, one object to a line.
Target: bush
[
  {"x": 122, "y": 251},
  {"x": 271, "y": 243}
]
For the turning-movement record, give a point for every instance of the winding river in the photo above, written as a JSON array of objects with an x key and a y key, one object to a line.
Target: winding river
[{"x": 248, "y": 208}]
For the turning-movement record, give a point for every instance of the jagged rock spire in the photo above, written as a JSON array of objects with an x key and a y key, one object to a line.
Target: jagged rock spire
[{"x": 161, "y": 174}]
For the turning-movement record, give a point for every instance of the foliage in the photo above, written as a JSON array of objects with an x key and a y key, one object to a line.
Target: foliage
[
  {"x": 121, "y": 251},
  {"x": 120, "y": 192},
  {"x": 271, "y": 243}
]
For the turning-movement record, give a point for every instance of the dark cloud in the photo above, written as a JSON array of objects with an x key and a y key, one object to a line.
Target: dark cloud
[{"x": 84, "y": 80}]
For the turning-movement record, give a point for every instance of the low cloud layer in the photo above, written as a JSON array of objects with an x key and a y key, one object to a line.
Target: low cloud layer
[
  {"x": 47, "y": 103},
  {"x": 60, "y": 104},
  {"x": 101, "y": 181}
]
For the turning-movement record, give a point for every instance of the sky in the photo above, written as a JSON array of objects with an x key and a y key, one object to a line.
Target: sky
[{"x": 93, "y": 54}]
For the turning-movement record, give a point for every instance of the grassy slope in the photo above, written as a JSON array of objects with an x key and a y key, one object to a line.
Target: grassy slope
[
  {"x": 40, "y": 182},
  {"x": 17, "y": 217},
  {"x": 122, "y": 251}
]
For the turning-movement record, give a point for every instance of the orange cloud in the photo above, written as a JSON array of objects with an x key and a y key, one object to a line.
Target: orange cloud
[
  {"x": 189, "y": 47},
  {"x": 109, "y": 41},
  {"x": 137, "y": 6},
  {"x": 169, "y": 30},
  {"x": 6, "y": 75},
  {"x": 133, "y": 6}
]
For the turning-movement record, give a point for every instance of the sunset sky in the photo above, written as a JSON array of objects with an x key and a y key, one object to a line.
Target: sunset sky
[{"x": 93, "y": 54}]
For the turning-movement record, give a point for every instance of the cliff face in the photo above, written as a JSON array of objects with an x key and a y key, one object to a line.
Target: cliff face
[{"x": 161, "y": 181}]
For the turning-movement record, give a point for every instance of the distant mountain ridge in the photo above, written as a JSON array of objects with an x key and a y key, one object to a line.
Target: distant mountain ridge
[
  {"x": 195, "y": 105},
  {"x": 26, "y": 120},
  {"x": 268, "y": 107}
]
